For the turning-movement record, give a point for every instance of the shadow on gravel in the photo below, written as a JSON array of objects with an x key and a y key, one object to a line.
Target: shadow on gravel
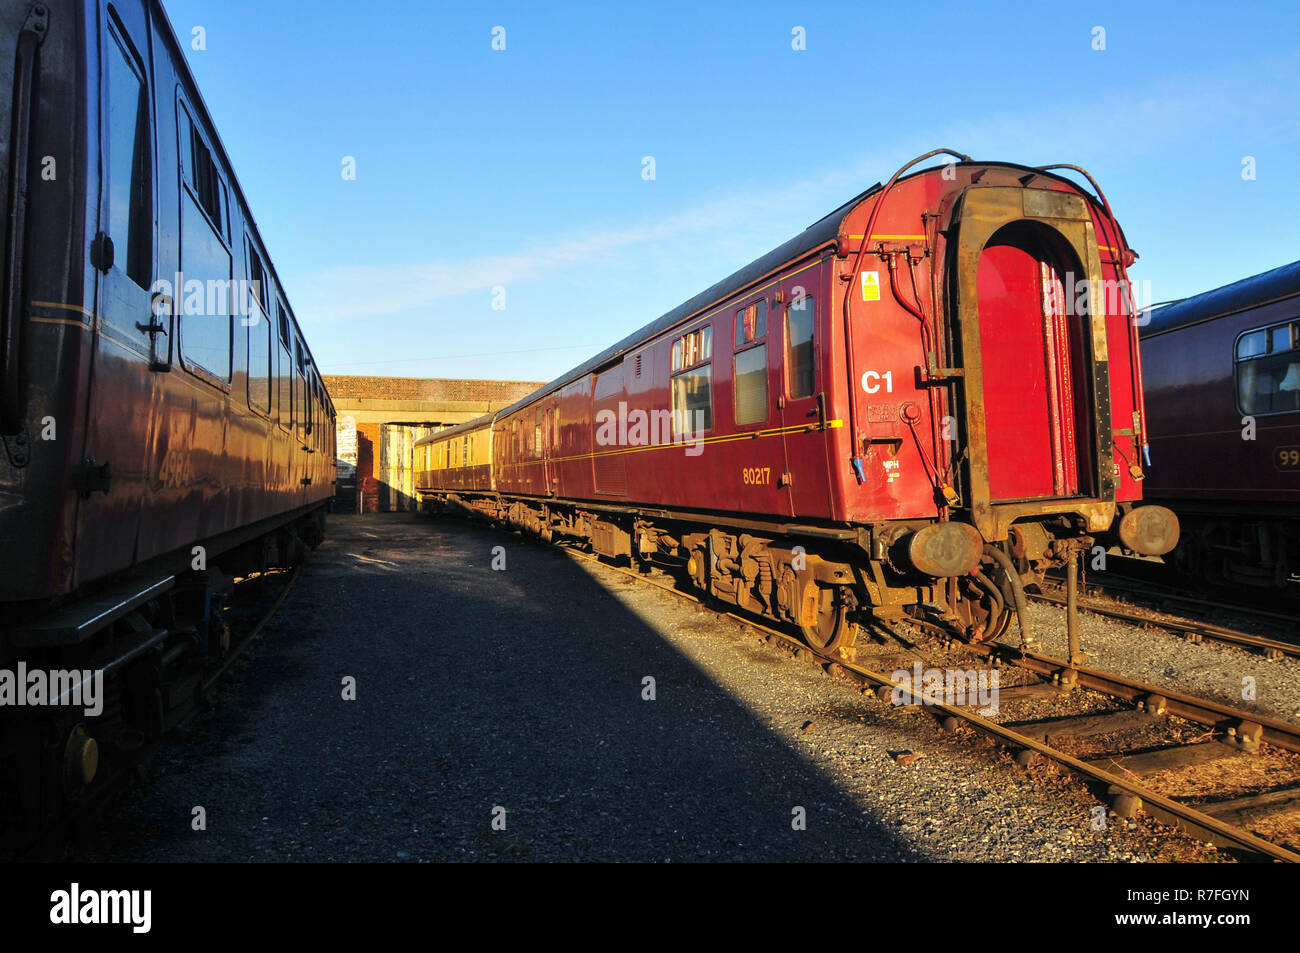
[{"x": 476, "y": 690}]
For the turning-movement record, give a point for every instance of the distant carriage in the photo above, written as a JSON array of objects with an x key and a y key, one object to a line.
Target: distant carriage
[{"x": 1223, "y": 392}]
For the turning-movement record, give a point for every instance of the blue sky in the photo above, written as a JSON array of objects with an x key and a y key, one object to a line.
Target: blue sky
[{"x": 523, "y": 168}]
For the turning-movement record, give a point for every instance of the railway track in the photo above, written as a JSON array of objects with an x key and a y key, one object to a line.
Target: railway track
[
  {"x": 79, "y": 820},
  {"x": 1115, "y": 707},
  {"x": 1195, "y": 630}
]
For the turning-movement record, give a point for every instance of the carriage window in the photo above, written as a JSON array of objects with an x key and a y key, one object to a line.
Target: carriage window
[
  {"x": 130, "y": 196},
  {"x": 750, "y": 378},
  {"x": 259, "y": 337},
  {"x": 205, "y": 321},
  {"x": 206, "y": 338},
  {"x": 692, "y": 390},
  {"x": 256, "y": 276},
  {"x": 751, "y": 385},
  {"x": 308, "y": 404},
  {"x": 751, "y": 323},
  {"x": 1281, "y": 338},
  {"x": 693, "y": 400},
  {"x": 799, "y": 347},
  {"x": 283, "y": 378},
  {"x": 1268, "y": 370},
  {"x": 208, "y": 187},
  {"x": 299, "y": 391}
]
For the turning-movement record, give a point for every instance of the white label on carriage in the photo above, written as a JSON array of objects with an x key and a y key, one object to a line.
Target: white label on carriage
[{"x": 871, "y": 286}]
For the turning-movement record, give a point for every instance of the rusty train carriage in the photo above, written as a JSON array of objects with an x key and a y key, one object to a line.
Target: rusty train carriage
[
  {"x": 171, "y": 429},
  {"x": 920, "y": 421}
]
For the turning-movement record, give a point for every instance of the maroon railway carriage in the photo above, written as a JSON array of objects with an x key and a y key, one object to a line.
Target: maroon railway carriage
[
  {"x": 140, "y": 419},
  {"x": 1223, "y": 388},
  {"x": 849, "y": 427}
]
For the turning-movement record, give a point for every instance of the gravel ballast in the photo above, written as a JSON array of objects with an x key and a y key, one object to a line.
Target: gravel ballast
[{"x": 520, "y": 695}]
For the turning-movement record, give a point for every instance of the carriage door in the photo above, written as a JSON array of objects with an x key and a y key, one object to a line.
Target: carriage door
[
  {"x": 134, "y": 339},
  {"x": 550, "y": 438},
  {"x": 799, "y": 313},
  {"x": 1033, "y": 367},
  {"x": 1034, "y": 360}
]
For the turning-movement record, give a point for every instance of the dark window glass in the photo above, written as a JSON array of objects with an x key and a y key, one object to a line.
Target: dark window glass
[
  {"x": 299, "y": 395},
  {"x": 205, "y": 309},
  {"x": 285, "y": 376},
  {"x": 208, "y": 187},
  {"x": 259, "y": 339},
  {"x": 1268, "y": 371},
  {"x": 799, "y": 347},
  {"x": 256, "y": 277},
  {"x": 130, "y": 199}
]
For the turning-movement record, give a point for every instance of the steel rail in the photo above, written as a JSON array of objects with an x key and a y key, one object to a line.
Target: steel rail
[
  {"x": 1270, "y": 648},
  {"x": 1163, "y": 808},
  {"x": 247, "y": 640},
  {"x": 1203, "y": 711},
  {"x": 1115, "y": 581}
]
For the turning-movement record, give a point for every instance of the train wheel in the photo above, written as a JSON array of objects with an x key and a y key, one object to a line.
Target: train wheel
[{"x": 831, "y": 627}]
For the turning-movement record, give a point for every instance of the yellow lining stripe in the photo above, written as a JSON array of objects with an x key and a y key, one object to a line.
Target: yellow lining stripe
[
  {"x": 64, "y": 307},
  {"x": 720, "y": 438},
  {"x": 68, "y": 322}
]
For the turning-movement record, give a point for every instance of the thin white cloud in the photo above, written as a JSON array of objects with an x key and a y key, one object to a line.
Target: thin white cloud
[{"x": 1136, "y": 122}]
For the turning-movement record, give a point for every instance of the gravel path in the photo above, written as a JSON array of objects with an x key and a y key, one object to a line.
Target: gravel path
[{"x": 522, "y": 689}]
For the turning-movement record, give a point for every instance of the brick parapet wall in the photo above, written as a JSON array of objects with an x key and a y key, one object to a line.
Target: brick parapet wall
[{"x": 351, "y": 388}]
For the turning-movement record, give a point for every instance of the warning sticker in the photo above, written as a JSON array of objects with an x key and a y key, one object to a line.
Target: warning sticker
[{"x": 871, "y": 286}]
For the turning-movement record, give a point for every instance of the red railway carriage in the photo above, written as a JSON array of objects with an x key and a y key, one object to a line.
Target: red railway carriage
[
  {"x": 164, "y": 425},
  {"x": 1223, "y": 388},
  {"x": 887, "y": 411}
]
